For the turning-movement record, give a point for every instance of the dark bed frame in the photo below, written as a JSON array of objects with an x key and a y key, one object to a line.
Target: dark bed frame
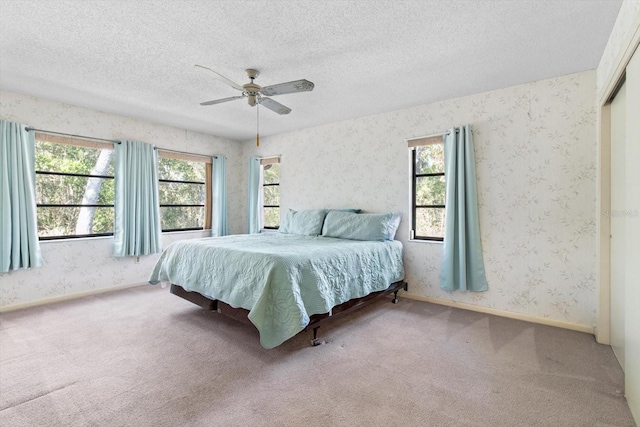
[{"x": 314, "y": 321}]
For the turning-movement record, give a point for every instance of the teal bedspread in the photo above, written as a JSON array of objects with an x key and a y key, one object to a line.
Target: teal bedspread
[{"x": 282, "y": 279}]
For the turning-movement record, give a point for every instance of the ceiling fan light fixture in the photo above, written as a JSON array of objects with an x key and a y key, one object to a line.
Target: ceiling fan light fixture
[{"x": 257, "y": 94}]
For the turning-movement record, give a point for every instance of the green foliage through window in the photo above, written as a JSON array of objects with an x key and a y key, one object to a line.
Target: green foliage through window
[
  {"x": 74, "y": 190},
  {"x": 428, "y": 192},
  {"x": 182, "y": 194}
]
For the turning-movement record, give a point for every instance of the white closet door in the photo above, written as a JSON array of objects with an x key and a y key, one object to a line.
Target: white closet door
[{"x": 618, "y": 223}]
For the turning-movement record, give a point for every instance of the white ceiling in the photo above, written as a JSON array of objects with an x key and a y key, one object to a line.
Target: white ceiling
[{"x": 136, "y": 58}]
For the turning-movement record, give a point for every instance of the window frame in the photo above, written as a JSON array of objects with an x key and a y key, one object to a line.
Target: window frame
[
  {"x": 412, "y": 145},
  {"x": 263, "y": 162},
  {"x": 207, "y": 205},
  {"x": 73, "y": 141}
]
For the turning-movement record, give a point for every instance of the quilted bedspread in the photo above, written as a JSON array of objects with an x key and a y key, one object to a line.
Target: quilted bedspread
[{"x": 282, "y": 279}]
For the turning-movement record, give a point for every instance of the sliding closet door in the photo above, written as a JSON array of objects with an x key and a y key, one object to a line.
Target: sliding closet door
[
  {"x": 618, "y": 222},
  {"x": 625, "y": 231},
  {"x": 632, "y": 230}
]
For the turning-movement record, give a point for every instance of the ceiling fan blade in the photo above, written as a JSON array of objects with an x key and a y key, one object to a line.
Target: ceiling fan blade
[
  {"x": 218, "y": 101},
  {"x": 274, "y": 106},
  {"x": 222, "y": 78},
  {"x": 289, "y": 87}
]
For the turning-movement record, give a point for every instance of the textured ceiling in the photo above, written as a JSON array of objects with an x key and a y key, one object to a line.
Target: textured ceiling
[{"x": 136, "y": 58}]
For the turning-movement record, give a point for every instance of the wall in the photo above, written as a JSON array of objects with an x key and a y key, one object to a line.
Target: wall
[
  {"x": 85, "y": 265},
  {"x": 536, "y": 165}
]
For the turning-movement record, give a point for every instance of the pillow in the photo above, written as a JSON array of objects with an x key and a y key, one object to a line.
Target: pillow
[
  {"x": 342, "y": 210},
  {"x": 306, "y": 223},
  {"x": 348, "y": 225},
  {"x": 284, "y": 222},
  {"x": 346, "y": 210},
  {"x": 394, "y": 223}
]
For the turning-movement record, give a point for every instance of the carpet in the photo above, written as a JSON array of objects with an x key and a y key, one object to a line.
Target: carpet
[{"x": 144, "y": 357}]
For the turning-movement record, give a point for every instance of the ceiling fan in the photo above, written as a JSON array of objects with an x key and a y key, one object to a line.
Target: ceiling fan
[{"x": 256, "y": 94}]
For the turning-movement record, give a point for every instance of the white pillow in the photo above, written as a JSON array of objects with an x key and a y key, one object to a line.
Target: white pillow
[{"x": 394, "y": 223}]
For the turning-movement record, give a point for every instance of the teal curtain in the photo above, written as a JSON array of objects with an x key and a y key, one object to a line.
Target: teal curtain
[
  {"x": 219, "y": 197},
  {"x": 137, "y": 220},
  {"x": 462, "y": 266},
  {"x": 19, "y": 244},
  {"x": 254, "y": 213}
]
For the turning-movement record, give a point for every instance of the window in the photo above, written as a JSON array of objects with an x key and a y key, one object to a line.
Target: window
[
  {"x": 428, "y": 188},
  {"x": 270, "y": 192},
  {"x": 185, "y": 191},
  {"x": 74, "y": 187}
]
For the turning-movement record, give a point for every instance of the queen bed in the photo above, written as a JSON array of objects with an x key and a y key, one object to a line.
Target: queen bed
[{"x": 285, "y": 282}]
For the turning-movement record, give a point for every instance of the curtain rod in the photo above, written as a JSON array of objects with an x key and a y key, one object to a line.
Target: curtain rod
[
  {"x": 431, "y": 136},
  {"x": 183, "y": 152},
  {"x": 28, "y": 129},
  {"x": 277, "y": 156}
]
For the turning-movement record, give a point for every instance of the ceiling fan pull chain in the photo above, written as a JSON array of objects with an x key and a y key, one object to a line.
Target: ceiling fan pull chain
[{"x": 258, "y": 124}]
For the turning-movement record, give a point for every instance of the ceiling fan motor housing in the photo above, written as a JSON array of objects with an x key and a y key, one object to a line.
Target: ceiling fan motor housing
[{"x": 251, "y": 90}]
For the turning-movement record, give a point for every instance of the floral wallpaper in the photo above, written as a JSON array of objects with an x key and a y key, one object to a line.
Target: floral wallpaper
[
  {"x": 622, "y": 29},
  {"x": 536, "y": 167},
  {"x": 81, "y": 265}
]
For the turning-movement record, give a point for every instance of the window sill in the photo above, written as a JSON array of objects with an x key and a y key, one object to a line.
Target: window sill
[
  {"x": 74, "y": 239},
  {"x": 84, "y": 239},
  {"x": 437, "y": 242},
  {"x": 205, "y": 230}
]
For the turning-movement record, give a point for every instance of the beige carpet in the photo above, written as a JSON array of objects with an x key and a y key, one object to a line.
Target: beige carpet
[{"x": 144, "y": 357}]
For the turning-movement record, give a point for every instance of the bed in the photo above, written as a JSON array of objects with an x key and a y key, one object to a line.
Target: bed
[{"x": 281, "y": 283}]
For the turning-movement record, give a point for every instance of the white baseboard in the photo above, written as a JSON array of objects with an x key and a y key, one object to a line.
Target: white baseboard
[
  {"x": 440, "y": 301},
  {"x": 67, "y": 297},
  {"x": 502, "y": 313}
]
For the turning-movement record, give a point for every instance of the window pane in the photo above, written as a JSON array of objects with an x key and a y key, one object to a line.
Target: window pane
[
  {"x": 272, "y": 173},
  {"x": 74, "y": 190},
  {"x": 173, "y": 218},
  {"x": 430, "y": 158},
  {"x": 272, "y": 195},
  {"x": 430, "y": 190},
  {"x": 271, "y": 217},
  {"x": 62, "y": 190},
  {"x": 71, "y": 159},
  {"x": 430, "y": 222},
  {"x": 180, "y": 170},
  {"x": 66, "y": 221},
  {"x": 180, "y": 193},
  {"x": 173, "y": 193}
]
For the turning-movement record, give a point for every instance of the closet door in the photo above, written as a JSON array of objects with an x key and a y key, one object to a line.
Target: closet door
[
  {"x": 632, "y": 231},
  {"x": 618, "y": 222}
]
